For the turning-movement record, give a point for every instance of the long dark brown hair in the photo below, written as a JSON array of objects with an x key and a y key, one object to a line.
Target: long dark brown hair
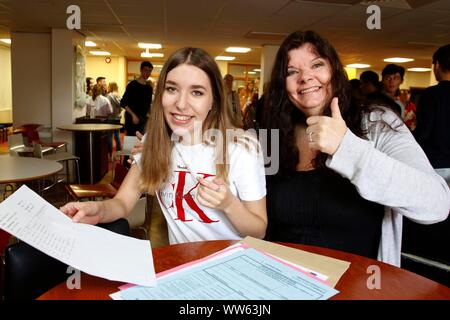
[{"x": 280, "y": 113}]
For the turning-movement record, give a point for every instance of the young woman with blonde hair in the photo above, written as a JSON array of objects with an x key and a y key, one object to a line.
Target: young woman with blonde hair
[{"x": 208, "y": 187}]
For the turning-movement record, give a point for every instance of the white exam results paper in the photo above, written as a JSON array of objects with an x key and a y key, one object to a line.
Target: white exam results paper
[
  {"x": 243, "y": 275},
  {"x": 91, "y": 249}
]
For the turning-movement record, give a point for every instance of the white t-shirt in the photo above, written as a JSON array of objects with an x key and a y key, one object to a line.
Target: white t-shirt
[
  {"x": 187, "y": 219},
  {"x": 101, "y": 106}
]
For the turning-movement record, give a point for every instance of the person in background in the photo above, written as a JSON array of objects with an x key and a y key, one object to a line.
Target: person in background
[
  {"x": 248, "y": 96},
  {"x": 249, "y": 118},
  {"x": 392, "y": 78},
  {"x": 89, "y": 85},
  {"x": 137, "y": 100},
  {"x": 369, "y": 82},
  {"x": 371, "y": 90},
  {"x": 232, "y": 100},
  {"x": 346, "y": 178},
  {"x": 98, "y": 105},
  {"x": 410, "y": 109},
  {"x": 433, "y": 115},
  {"x": 356, "y": 90},
  {"x": 102, "y": 82},
  {"x": 202, "y": 196},
  {"x": 114, "y": 99}
]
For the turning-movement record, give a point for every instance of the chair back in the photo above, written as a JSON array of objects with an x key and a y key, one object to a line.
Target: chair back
[
  {"x": 29, "y": 132},
  {"x": 422, "y": 250},
  {"x": 29, "y": 273},
  {"x": 137, "y": 216},
  {"x": 128, "y": 144},
  {"x": 120, "y": 173},
  {"x": 15, "y": 141}
]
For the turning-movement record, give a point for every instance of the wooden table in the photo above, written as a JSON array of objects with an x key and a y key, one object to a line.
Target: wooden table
[
  {"x": 21, "y": 169},
  {"x": 90, "y": 128},
  {"x": 396, "y": 283}
]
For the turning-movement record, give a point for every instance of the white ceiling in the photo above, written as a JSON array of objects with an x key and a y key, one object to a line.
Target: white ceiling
[{"x": 410, "y": 28}]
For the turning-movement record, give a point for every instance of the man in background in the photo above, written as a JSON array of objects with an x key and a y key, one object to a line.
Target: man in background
[
  {"x": 102, "y": 82},
  {"x": 433, "y": 115},
  {"x": 234, "y": 111},
  {"x": 137, "y": 100},
  {"x": 371, "y": 90},
  {"x": 392, "y": 78}
]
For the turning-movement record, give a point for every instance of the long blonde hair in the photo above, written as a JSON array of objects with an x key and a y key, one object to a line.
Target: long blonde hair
[
  {"x": 113, "y": 87},
  {"x": 157, "y": 152}
]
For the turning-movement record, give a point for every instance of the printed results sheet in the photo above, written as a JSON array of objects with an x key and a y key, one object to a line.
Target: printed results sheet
[
  {"x": 244, "y": 275},
  {"x": 88, "y": 248}
]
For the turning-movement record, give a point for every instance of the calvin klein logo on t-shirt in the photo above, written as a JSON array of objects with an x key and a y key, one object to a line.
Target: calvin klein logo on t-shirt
[{"x": 183, "y": 197}]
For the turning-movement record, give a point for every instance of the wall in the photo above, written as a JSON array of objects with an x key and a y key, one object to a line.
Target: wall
[
  {"x": 417, "y": 79},
  {"x": 5, "y": 85},
  {"x": 223, "y": 67},
  {"x": 114, "y": 71},
  {"x": 62, "y": 83},
  {"x": 351, "y": 73},
  {"x": 268, "y": 54},
  {"x": 31, "y": 78}
]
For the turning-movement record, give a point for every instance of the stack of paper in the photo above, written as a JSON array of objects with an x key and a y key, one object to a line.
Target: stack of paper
[
  {"x": 239, "y": 272},
  {"x": 85, "y": 247}
]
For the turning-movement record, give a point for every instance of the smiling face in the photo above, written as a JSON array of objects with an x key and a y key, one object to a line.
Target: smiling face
[
  {"x": 187, "y": 98},
  {"x": 308, "y": 80}
]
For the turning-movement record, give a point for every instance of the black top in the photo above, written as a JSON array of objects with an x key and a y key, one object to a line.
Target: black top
[
  {"x": 433, "y": 122},
  {"x": 138, "y": 97},
  {"x": 321, "y": 208}
]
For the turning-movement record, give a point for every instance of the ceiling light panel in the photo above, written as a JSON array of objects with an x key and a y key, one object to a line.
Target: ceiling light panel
[{"x": 237, "y": 49}]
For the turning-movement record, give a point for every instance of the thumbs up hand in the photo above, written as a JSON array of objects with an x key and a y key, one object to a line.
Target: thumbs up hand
[{"x": 326, "y": 133}]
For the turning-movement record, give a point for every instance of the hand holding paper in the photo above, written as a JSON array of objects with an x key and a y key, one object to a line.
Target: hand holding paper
[{"x": 86, "y": 247}]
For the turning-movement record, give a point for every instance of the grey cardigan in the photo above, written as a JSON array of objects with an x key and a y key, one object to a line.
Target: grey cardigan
[{"x": 391, "y": 169}]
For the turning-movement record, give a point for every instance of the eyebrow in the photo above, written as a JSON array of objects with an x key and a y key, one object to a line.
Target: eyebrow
[
  {"x": 195, "y": 86},
  {"x": 313, "y": 60},
  {"x": 171, "y": 82}
]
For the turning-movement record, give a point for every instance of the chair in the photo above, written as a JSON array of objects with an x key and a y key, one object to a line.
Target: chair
[
  {"x": 17, "y": 146},
  {"x": 31, "y": 134},
  {"x": 128, "y": 144},
  {"x": 424, "y": 250},
  {"x": 29, "y": 273},
  {"x": 59, "y": 156},
  {"x": 3, "y": 132},
  {"x": 138, "y": 216},
  {"x": 83, "y": 191}
]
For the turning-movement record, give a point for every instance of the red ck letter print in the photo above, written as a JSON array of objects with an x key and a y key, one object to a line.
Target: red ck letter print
[{"x": 181, "y": 196}]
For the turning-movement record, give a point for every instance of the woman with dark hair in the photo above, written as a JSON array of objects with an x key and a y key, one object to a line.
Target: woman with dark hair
[
  {"x": 208, "y": 188},
  {"x": 347, "y": 174},
  {"x": 89, "y": 85}
]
